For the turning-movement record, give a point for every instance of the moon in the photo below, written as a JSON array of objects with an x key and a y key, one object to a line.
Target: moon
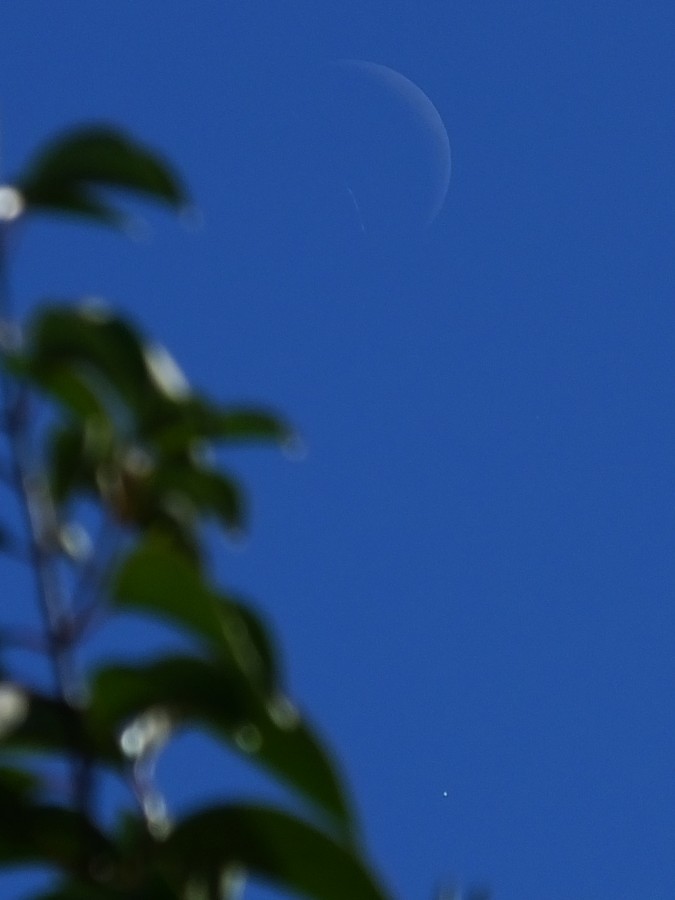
[{"x": 387, "y": 144}]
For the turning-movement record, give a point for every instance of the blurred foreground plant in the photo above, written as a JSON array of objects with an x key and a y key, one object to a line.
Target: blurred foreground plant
[{"x": 101, "y": 426}]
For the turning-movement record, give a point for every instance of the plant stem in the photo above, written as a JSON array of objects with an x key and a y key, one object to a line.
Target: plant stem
[{"x": 41, "y": 526}]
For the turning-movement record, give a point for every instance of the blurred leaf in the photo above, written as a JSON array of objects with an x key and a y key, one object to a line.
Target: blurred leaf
[
  {"x": 208, "y": 491},
  {"x": 116, "y": 879},
  {"x": 197, "y": 419},
  {"x": 52, "y": 726},
  {"x": 18, "y": 782},
  {"x": 45, "y": 726},
  {"x": 157, "y": 581},
  {"x": 220, "y": 698},
  {"x": 66, "y": 386},
  {"x": 68, "y": 343},
  {"x": 87, "y": 457},
  {"x": 65, "y": 175},
  {"x": 101, "y": 368},
  {"x": 253, "y": 642},
  {"x": 62, "y": 384},
  {"x": 129, "y": 874},
  {"x": 250, "y": 425},
  {"x": 49, "y": 834},
  {"x": 272, "y": 845},
  {"x": 179, "y": 535},
  {"x": 186, "y": 687},
  {"x": 75, "y": 451},
  {"x": 151, "y": 889}
]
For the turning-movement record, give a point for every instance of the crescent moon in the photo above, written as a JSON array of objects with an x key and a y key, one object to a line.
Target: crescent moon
[{"x": 400, "y": 112}]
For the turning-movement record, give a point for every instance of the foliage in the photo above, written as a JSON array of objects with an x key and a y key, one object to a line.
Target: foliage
[{"x": 124, "y": 444}]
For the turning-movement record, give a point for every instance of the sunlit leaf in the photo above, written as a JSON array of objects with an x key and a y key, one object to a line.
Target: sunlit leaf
[
  {"x": 274, "y": 846},
  {"x": 68, "y": 173}
]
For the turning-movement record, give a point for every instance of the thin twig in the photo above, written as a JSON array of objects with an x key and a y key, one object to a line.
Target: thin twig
[
  {"x": 40, "y": 526},
  {"x": 95, "y": 569}
]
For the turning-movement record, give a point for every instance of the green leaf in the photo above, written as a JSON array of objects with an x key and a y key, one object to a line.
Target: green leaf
[
  {"x": 209, "y": 492},
  {"x": 246, "y": 424},
  {"x": 150, "y": 889},
  {"x": 199, "y": 420},
  {"x": 48, "y": 834},
  {"x": 65, "y": 175},
  {"x": 18, "y": 783},
  {"x": 75, "y": 452},
  {"x": 272, "y": 845},
  {"x": 69, "y": 343},
  {"x": 253, "y": 643},
  {"x": 130, "y": 875},
  {"x": 154, "y": 580},
  {"x": 84, "y": 890},
  {"x": 64, "y": 385},
  {"x": 49, "y": 725},
  {"x": 219, "y": 697},
  {"x": 157, "y": 581}
]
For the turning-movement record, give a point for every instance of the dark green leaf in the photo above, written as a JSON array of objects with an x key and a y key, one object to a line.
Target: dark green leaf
[
  {"x": 156, "y": 580},
  {"x": 76, "y": 452},
  {"x": 84, "y": 890},
  {"x": 87, "y": 457},
  {"x": 18, "y": 782},
  {"x": 208, "y": 492},
  {"x": 129, "y": 874},
  {"x": 63, "y": 384},
  {"x": 198, "y": 420},
  {"x": 254, "y": 646},
  {"x": 65, "y": 176},
  {"x": 220, "y": 698},
  {"x": 186, "y": 687},
  {"x": 247, "y": 425},
  {"x": 88, "y": 342},
  {"x": 47, "y": 834},
  {"x": 51, "y": 726},
  {"x": 274, "y": 846}
]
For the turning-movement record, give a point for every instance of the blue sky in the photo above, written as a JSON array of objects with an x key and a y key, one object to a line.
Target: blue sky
[{"x": 471, "y": 573}]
